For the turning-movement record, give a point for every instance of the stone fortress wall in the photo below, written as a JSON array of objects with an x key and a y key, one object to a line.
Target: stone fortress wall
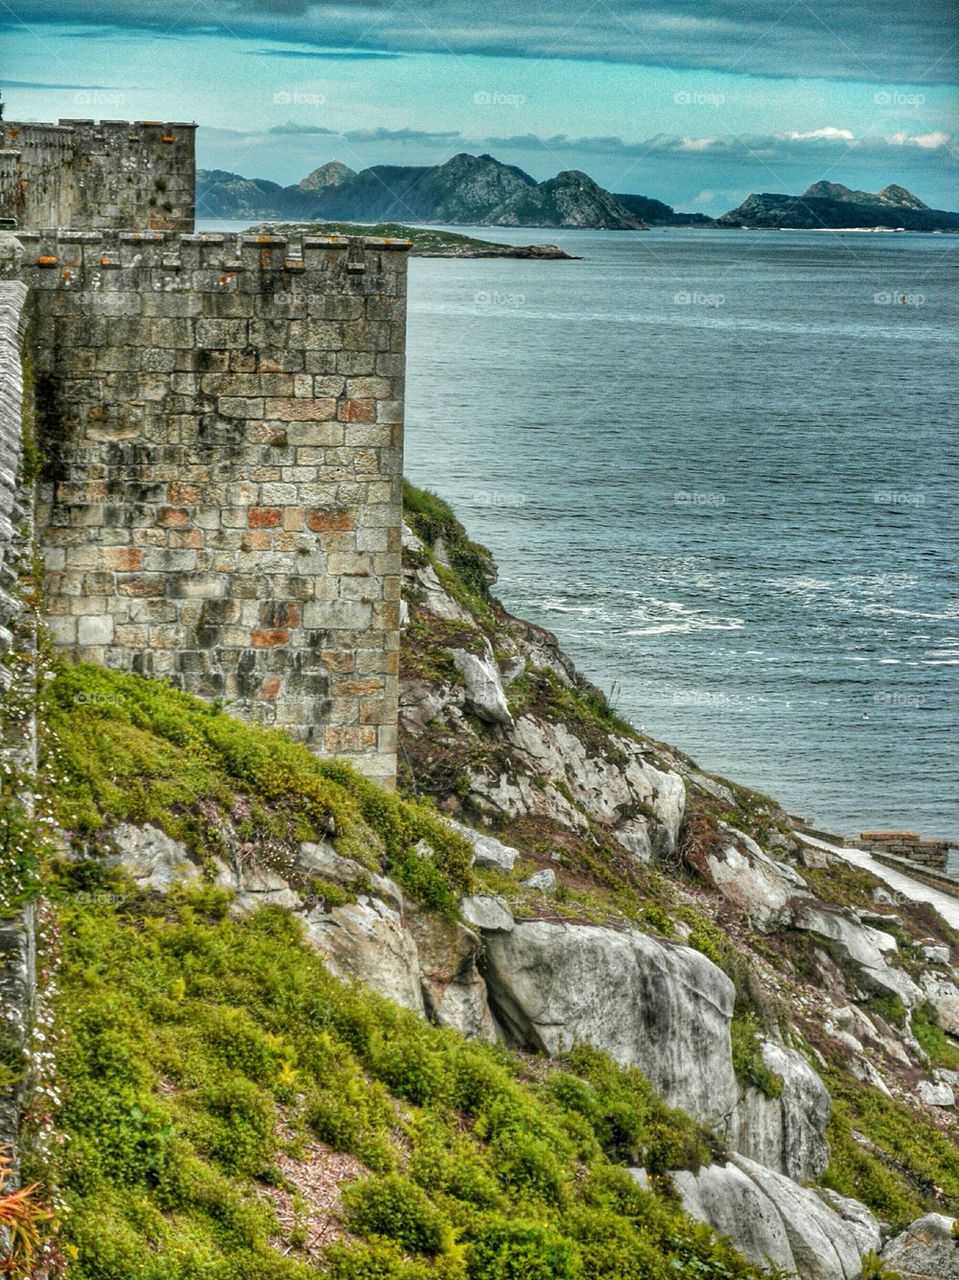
[
  {"x": 221, "y": 422},
  {"x": 84, "y": 175}
]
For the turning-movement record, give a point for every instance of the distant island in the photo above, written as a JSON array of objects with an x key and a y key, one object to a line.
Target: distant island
[
  {"x": 466, "y": 190},
  {"x": 831, "y": 206},
  {"x": 480, "y": 190},
  {"x": 427, "y": 242}
]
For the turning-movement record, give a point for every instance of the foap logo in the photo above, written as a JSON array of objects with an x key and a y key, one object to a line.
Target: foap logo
[
  {"x": 495, "y": 498},
  {"x": 896, "y": 698},
  {"x": 894, "y": 98},
  {"x": 498, "y": 298},
  {"x": 97, "y": 699},
  {"x": 696, "y": 98},
  {"x": 98, "y": 98},
  {"x": 699, "y": 698},
  {"x": 698, "y": 498},
  {"x": 694, "y": 298},
  {"x": 887, "y": 298},
  {"x": 489, "y": 98},
  {"x": 898, "y": 498},
  {"x": 298, "y": 98}
]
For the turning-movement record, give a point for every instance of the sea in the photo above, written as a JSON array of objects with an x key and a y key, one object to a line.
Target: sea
[{"x": 723, "y": 468}]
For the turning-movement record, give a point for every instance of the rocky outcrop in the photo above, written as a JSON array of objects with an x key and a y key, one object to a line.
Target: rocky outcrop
[
  {"x": 488, "y": 913},
  {"x": 661, "y": 1007},
  {"x": 488, "y": 852},
  {"x": 943, "y": 995},
  {"x": 571, "y": 199},
  {"x": 624, "y": 790},
  {"x": 454, "y": 993},
  {"x": 927, "y": 1250},
  {"x": 730, "y": 1202},
  {"x": 785, "y": 1133},
  {"x": 484, "y": 688},
  {"x": 149, "y": 856},
  {"x": 366, "y": 940},
  {"x": 776, "y": 1223},
  {"x": 862, "y": 946},
  {"x": 863, "y": 1224},
  {"x": 752, "y": 881}
]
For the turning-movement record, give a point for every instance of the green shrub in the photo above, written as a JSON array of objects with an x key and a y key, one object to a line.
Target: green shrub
[
  {"x": 748, "y": 1062},
  {"x": 397, "y": 1208},
  {"x": 528, "y": 1166},
  {"x": 942, "y": 1050},
  {"x": 238, "y": 1127},
  {"x": 522, "y": 1250},
  {"x": 611, "y": 1246},
  {"x": 470, "y": 564}
]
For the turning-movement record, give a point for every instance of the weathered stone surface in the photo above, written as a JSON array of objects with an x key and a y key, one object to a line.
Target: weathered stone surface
[
  {"x": 736, "y": 1206},
  {"x": 227, "y": 507},
  {"x": 788, "y": 1133},
  {"x": 661, "y": 1007},
  {"x": 81, "y": 173},
  {"x": 864, "y": 946},
  {"x": 943, "y": 995},
  {"x": 323, "y": 860},
  {"x": 366, "y": 940},
  {"x": 608, "y": 790},
  {"x": 484, "y": 689},
  {"x": 487, "y": 913},
  {"x": 453, "y": 989},
  {"x": 926, "y": 1250},
  {"x": 718, "y": 790},
  {"x": 438, "y": 601},
  {"x": 488, "y": 852},
  {"x": 823, "y": 1245},
  {"x": 936, "y": 1093},
  {"x": 863, "y": 1224},
  {"x": 754, "y": 882},
  {"x": 150, "y": 856},
  {"x": 777, "y": 1223},
  {"x": 542, "y": 880},
  {"x": 259, "y": 887},
  {"x": 633, "y": 835}
]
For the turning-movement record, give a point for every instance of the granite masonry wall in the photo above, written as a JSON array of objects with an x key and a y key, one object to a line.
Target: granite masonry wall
[
  {"x": 81, "y": 174},
  {"x": 934, "y": 854},
  {"x": 221, "y": 422}
]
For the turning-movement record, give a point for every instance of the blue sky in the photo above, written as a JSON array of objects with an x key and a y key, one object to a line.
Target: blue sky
[{"x": 691, "y": 101}]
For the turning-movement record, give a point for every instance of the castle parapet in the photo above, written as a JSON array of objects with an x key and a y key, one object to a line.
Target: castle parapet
[{"x": 86, "y": 175}]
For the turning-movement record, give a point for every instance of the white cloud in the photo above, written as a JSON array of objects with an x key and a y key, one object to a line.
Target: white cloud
[{"x": 845, "y": 135}]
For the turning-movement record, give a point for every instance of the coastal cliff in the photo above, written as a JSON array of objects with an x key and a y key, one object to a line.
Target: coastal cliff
[{"x": 564, "y": 1006}]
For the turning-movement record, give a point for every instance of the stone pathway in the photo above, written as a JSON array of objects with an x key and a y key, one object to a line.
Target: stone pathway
[{"x": 947, "y": 907}]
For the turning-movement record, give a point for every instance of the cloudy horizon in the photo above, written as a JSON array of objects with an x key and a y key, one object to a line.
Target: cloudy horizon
[{"x": 695, "y": 104}]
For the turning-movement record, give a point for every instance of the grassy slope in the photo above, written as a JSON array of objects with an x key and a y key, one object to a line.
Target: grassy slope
[{"x": 202, "y": 1061}]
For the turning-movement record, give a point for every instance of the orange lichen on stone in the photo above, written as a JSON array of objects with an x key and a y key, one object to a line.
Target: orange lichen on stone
[
  {"x": 325, "y": 520},
  {"x": 268, "y": 638}
]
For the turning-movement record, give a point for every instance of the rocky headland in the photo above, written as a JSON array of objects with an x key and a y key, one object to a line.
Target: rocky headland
[{"x": 566, "y": 993}]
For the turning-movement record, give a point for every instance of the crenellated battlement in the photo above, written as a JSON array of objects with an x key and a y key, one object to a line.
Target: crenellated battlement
[
  {"x": 83, "y": 174},
  {"x": 91, "y": 252}
]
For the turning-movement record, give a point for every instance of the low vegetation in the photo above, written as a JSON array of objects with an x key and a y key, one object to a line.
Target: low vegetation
[{"x": 194, "y": 1050}]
